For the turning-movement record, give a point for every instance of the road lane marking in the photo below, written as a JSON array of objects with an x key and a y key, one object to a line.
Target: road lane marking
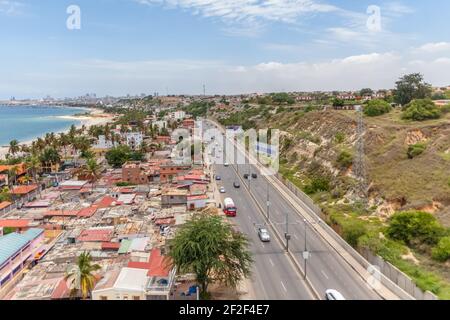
[
  {"x": 324, "y": 274},
  {"x": 295, "y": 236},
  {"x": 282, "y": 284},
  {"x": 271, "y": 262}
]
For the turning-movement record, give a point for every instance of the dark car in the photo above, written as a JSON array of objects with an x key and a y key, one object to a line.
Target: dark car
[
  {"x": 236, "y": 185},
  {"x": 254, "y": 175},
  {"x": 246, "y": 176},
  {"x": 218, "y": 178}
]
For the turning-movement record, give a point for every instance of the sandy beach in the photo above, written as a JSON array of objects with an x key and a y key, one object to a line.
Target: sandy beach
[{"x": 95, "y": 117}]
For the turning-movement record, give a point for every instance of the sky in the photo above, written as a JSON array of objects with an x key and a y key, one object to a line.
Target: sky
[{"x": 230, "y": 46}]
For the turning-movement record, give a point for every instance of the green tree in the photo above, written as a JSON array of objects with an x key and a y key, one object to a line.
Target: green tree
[
  {"x": 410, "y": 87},
  {"x": 14, "y": 147},
  {"x": 209, "y": 247},
  {"x": 420, "y": 110},
  {"x": 415, "y": 227},
  {"x": 117, "y": 156},
  {"x": 376, "y": 107},
  {"x": 81, "y": 277},
  {"x": 442, "y": 251},
  {"x": 92, "y": 170},
  {"x": 338, "y": 102},
  {"x": 366, "y": 92}
]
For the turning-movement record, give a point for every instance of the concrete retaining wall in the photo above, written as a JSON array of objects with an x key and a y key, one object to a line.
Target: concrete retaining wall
[{"x": 390, "y": 276}]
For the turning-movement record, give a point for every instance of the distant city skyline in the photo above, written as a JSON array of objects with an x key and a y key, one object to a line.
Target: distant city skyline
[{"x": 231, "y": 47}]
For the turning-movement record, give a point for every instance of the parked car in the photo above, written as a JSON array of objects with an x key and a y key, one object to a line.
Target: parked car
[
  {"x": 246, "y": 175},
  {"x": 263, "y": 235},
  {"x": 222, "y": 190},
  {"x": 332, "y": 294},
  {"x": 226, "y": 164},
  {"x": 254, "y": 175},
  {"x": 236, "y": 184},
  {"x": 218, "y": 178}
]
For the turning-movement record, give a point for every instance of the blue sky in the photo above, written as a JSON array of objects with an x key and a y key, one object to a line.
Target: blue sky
[{"x": 233, "y": 46}]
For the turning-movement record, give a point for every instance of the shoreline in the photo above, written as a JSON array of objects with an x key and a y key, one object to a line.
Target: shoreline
[{"x": 95, "y": 117}]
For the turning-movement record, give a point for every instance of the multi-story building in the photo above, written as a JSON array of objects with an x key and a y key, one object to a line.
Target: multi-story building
[
  {"x": 139, "y": 173},
  {"x": 17, "y": 251},
  {"x": 134, "y": 139}
]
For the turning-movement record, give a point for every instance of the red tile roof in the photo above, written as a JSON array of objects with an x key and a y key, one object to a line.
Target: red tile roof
[
  {"x": 159, "y": 266},
  {"x": 4, "y": 204},
  {"x": 87, "y": 212},
  {"x": 21, "y": 190},
  {"x": 110, "y": 245},
  {"x": 93, "y": 235},
  {"x": 107, "y": 201},
  {"x": 61, "y": 213},
  {"x": 14, "y": 223},
  {"x": 197, "y": 197}
]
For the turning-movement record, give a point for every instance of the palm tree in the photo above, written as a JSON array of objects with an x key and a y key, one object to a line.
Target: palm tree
[
  {"x": 14, "y": 147},
  {"x": 25, "y": 148},
  {"x": 12, "y": 176},
  {"x": 64, "y": 141},
  {"x": 34, "y": 166},
  {"x": 81, "y": 276},
  {"x": 50, "y": 157},
  {"x": 92, "y": 170}
]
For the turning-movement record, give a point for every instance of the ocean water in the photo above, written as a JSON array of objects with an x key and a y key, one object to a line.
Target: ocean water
[{"x": 25, "y": 123}]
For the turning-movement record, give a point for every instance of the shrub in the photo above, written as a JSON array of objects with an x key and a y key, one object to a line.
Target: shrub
[
  {"x": 317, "y": 184},
  {"x": 339, "y": 137},
  {"x": 415, "y": 227},
  {"x": 345, "y": 159},
  {"x": 442, "y": 251},
  {"x": 353, "y": 230},
  {"x": 420, "y": 110},
  {"x": 377, "y": 108},
  {"x": 416, "y": 150}
]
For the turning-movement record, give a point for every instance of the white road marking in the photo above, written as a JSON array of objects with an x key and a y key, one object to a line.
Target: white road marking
[
  {"x": 282, "y": 284},
  {"x": 324, "y": 274},
  {"x": 271, "y": 262},
  {"x": 295, "y": 236}
]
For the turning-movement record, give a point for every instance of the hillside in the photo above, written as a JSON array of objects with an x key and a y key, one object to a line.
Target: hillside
[{"x": 317, "y": 150}]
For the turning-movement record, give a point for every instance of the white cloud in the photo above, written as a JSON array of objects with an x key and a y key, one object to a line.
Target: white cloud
[
  {"x": 10, "y": 7},
  {"x": 435, "y": 47},
  {"x": 247, "y": 10},
  {"x": 376, "y": 70}
]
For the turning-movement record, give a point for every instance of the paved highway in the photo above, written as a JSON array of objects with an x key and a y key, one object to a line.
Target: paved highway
[
  {"x": 274, "y": 276},
  {"x": 325, "y": 268}
]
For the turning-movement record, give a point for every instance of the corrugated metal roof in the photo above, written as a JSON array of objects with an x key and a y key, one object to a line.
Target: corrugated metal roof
[
  {"x": 32, "y": 233},
  {"x": 10, "y": 244},
  {"x": 124, "y": 246}
]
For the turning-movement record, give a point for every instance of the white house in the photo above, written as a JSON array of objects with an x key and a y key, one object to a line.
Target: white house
[
  {"x": 178, "y": 115},
  {"x": 134, "y": 139},
  {"x": 103, "y": 144}
]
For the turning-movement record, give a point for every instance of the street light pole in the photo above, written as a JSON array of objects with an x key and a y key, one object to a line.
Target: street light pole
[{"x": 268, "y": 202}]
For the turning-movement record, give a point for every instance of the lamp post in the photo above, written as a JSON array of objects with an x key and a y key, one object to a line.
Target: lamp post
[{"x": 268, "y": 201}]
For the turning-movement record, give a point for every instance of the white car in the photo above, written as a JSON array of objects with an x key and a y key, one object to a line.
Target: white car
[
  {"x": 222, "y": 190},
  {"x": 332, "y": 294},
  {"x": 226, "y": 164},
  {"x": 263, "y": 235}
]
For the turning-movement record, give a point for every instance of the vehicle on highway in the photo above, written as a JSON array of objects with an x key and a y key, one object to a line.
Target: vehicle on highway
[
  {"x": 222, "y": 190},
  {"x": 254, "y": 175},
  {"x": 229, "y": 208},
  {"x": 218, "y": 178},
  {"x": 332, "y": 294},
  {"x": 263, "y": 235},
  {"x": 236, "y": 184}
]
